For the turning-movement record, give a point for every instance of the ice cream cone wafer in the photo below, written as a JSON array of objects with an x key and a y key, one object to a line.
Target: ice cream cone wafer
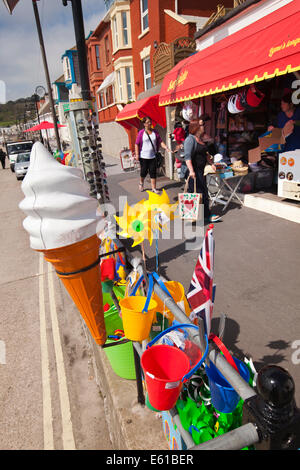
[
  {"x": 78, "y": 267},
  {"x": 62, "y": 221}
]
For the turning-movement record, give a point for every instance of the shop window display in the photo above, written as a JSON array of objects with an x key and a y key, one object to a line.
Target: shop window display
[{"x": 239, "y": 126}]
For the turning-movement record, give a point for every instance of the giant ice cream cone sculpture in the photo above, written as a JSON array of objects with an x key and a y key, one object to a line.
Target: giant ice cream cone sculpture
[{"x": 62, "y": 223}]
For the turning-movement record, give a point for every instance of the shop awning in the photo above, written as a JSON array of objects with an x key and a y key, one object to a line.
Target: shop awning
[
  {"x": 132, "y": 113},
  {"x": 108, "y": 81},
  {"x": 267, "y": 48}
]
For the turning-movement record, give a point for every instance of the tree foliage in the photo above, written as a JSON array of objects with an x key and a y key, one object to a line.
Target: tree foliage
[{"x": 21, "y": 110}]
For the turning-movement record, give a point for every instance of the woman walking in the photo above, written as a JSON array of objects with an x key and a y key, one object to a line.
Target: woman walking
[
  {"x": 196, "y": 154},
  {"x": 147, "y": 145},
  {"x": 2, "y": 158}
]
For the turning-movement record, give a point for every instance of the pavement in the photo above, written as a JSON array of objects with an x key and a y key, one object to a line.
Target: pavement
[{"x": 48, "y": 395}]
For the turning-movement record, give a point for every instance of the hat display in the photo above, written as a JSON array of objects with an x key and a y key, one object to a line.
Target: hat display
[
  {"x": 245, "y": 100},
  {"x": 218, "y": 158},
  {"x": 190, "y": 111},
  {"x": 239, "y": 167},
  {"x": 234, "y": 104},
  {"x": 254, "y": 97}
]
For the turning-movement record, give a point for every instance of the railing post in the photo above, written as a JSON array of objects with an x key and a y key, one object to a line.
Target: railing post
[
  {"x": 138, "y": 371},
  {"x": 274, "y": 410}
]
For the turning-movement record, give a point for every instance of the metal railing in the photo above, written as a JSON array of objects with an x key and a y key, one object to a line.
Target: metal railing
[
  {"x": 256, "y": 428},
  {"x": 234, "y": 440}
]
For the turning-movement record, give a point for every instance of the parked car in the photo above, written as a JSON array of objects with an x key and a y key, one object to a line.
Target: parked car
[
  {"x": 14, "y": 148},
  {"x": 22, "y": 164}
]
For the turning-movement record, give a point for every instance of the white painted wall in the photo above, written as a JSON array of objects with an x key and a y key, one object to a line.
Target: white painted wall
[{"x": 114, "y": 138}]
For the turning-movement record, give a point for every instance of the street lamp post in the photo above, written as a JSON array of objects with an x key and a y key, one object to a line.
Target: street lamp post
[
  {"x": 41, "y": 41},
  {"x": 81, "y": 47}
]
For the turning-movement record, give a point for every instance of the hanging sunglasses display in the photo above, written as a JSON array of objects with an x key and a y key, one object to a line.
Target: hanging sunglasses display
[{"x": 91, "y": 155}]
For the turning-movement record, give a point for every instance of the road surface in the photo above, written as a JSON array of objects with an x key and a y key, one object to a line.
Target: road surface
[{"x": 48, "y": 395}]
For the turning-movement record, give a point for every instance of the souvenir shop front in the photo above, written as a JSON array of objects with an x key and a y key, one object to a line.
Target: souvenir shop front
[{"x": 247, "y": 86}]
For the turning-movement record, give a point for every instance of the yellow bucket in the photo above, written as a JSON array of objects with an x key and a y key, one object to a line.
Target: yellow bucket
[
  {"x": 136, "y": 323},
  {"x": 176, "y": 291}
]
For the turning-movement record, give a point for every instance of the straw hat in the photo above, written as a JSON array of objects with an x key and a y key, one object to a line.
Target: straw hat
[{"x": 239, "y": 168}]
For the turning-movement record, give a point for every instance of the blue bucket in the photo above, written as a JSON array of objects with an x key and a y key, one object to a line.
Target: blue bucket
[{"x": 223, "y": 397}]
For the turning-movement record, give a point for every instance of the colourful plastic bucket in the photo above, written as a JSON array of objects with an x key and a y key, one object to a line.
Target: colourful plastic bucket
[
  {"x": 118, "y": 290},
  {"x": 176, "y": 291},
  {"x": 164, "y": 367},
  {"x": 137, "y": 324},
  {"x": 120, "y": 356},
  {"x": 223, "y": 396}
]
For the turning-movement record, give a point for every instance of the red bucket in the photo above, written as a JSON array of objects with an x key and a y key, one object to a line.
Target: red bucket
[{"x": 164, "y": 368}]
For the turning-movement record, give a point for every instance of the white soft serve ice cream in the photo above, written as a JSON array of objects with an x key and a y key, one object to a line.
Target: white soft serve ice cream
[{"x": 59, "y": 209}]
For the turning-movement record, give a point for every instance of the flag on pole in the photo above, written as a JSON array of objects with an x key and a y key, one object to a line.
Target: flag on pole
[
  {"x": 10, "y": 5},
  {"x": 202, "y": 290}
]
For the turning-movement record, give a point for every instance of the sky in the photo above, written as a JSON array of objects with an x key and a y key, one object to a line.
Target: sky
[{"x": 21, "y": 66}]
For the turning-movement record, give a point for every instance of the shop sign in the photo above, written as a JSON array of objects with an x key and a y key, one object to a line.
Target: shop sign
[{"x": 179, "y": 81}]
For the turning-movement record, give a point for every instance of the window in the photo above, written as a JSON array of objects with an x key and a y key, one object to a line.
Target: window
[
  {"x": 97, "y": 52},
  {"x": 101, "y": 100},
  {"x": 125, "y": 28},
  {"x": 107, "y": 50},
  {"x": 144, "y": 14},
  {"x": 68, "y": 74},
  {"x": 63, "y": 93},
  {"x": 109, "y": 95},
  {"x": 147, "y": 73},
  {"x": 120, "y": 85},
  {"x": 128, "y": 83},
  {"x": 116, "y": 35}
]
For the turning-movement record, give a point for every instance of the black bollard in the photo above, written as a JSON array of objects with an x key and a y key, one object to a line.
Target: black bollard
[{"x": 273, "y": 411}]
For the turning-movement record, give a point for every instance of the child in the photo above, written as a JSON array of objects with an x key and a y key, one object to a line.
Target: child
[{"x": 179, "y": 136}]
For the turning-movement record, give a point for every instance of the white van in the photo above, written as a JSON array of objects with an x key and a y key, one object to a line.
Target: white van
[{"x": 14, "y": 148}]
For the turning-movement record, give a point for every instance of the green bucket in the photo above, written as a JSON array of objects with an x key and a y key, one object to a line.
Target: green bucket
[
  {"x": 148, "y": 404},
  {"x": 121, "y": 356},
  {"x": 106, "y": 297}
]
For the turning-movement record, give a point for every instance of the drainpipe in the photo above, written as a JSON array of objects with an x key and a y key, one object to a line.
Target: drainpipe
[{"x": 176, "y": 7}]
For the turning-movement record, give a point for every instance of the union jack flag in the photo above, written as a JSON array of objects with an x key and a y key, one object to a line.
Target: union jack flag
[{"x": 202, "y": 290}]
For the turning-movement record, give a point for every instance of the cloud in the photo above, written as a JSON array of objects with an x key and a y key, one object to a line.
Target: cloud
[{"x": 21, "y": 66}]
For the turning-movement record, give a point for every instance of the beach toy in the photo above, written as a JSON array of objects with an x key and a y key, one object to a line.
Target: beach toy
[
  {"x": 138, "y": 312},
  {"x": 135, "y": 224},
  {"x": 224, "y": 397},
  {"x": 137, "y": 317},
  {"x": 120, "y": 356},
  {"x": 148, "y": 404},
  {"x": 175, "y": 290},
  {"x": 108, "y": 269},
  {"x": 166, "y": 368}
]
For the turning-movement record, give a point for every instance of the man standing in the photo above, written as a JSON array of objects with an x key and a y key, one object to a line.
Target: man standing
[{"x": 2, "y": 158}]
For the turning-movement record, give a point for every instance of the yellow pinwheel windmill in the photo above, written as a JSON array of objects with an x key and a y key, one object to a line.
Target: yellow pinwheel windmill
[
  {"x": 135, "y": 223},
  {"x": 160, "y": 210}
]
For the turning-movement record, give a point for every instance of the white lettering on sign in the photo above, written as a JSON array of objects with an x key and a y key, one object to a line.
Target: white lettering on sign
[
  {"x": 296, "y": 94},
  {"x": 296, "y": 354},
  {"x": 2, "y": 353}
]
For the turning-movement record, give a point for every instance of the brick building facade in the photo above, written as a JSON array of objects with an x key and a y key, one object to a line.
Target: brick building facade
[{"x": 121, "y": 50}]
